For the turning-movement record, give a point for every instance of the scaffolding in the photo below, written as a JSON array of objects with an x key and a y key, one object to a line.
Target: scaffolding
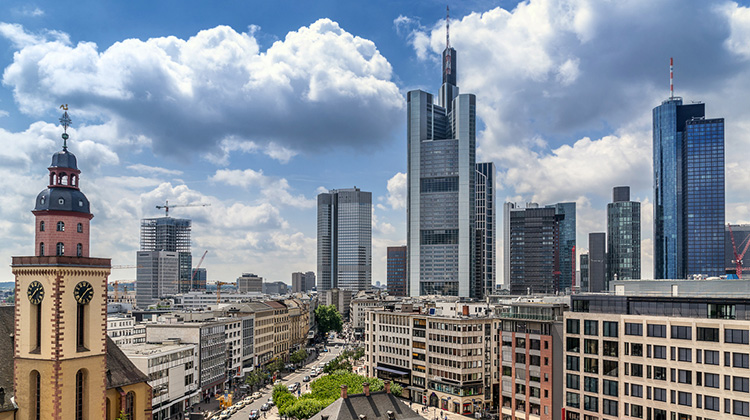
[{"x": 165, "y": 234}]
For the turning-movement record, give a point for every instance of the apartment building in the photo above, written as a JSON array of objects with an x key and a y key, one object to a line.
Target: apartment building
[
  {"x": 233, "y": 336},
  {"x": 264, "y": 332},
  {"x": 658, "y": 357},
  {"x": 122, "y": 329},
  {"x": 440, "y": 360},
  {"x": 281, "y": 333}
]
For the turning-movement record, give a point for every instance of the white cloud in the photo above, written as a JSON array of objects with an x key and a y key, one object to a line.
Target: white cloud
[
  {"x": 273, "y": 189},
  {"x": 397, "y": 191},
  {"x": 139, "y": 167},
  {"x": 739, "y": 27}
]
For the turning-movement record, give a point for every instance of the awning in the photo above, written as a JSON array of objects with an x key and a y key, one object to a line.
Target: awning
[
  {"x": 415, "y": 388},
  {"x": 394, "y": 371}
]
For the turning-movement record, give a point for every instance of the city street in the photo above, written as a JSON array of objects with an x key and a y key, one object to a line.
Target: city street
[{"x": 289, "y": 379}]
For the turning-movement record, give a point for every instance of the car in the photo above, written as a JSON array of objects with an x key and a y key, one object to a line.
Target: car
[
  {"x": 248, "y": 400},
  {"x": 270, "y": 402},
  {"x": 256, "y": 395},
  {"x": 265, "y": 407},
  {"x": 254, "y": 415},
  {"x": 314, "y": 373},
  {"x": 293, "y": 387},
  {"x": 277, "y": 382},
  {"x": 306, "y": 379}
]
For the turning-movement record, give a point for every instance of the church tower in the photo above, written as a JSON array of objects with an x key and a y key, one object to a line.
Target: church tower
[{"x": 60, "y": 361}]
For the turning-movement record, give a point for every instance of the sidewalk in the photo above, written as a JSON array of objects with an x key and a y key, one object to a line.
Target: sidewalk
[{"x": 433, "y": 413}]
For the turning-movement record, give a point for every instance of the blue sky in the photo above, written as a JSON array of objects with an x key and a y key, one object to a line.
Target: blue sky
[{"x": 254, "y": 107}]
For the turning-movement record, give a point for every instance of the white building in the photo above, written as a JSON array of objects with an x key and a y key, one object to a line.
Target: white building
[
  {"x": 205, "y": 299},
  {"x": 123, "y": 329}
]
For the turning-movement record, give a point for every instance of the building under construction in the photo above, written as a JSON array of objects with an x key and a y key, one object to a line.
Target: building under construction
[
  {"x": 173, "y": 235},
  {"x": 741, "y": 234}
]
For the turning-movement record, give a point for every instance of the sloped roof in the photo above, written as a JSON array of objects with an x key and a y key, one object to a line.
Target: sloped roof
[
  {"x": 375, "y": 407},
  {"x": 120, "y": 370},
  {"x": 7, "y": 323}
]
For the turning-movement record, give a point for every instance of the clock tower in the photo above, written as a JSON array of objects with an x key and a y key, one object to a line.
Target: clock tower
[{"x": 60, "y": 360}]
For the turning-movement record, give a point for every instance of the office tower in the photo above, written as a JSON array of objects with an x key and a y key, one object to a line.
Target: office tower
[
  {"x": 345, "y": 239},
  {"x": 567, "y": 241},
  {"x": 534, "y": 262},
  {"x": 485, "y": 227},
  {"x": 583, "y": 286},
  {"x": 396, "y": 270},
  {"x": 303, "y": 282},
  {"x": 703, "y": 196},
  {"x": 597, "y": 262},
  {"x": 249, "y": 283},
  {"x": 173, "y": 235},
  {"x": 156, "y": 277},
  {"x": 623, "y": 236},
  {"x": 441, "y": 143},
  {"x": 200, "y": 276},
  {"x": 741, "y": 235},
  {"x": 507, "y": 208}
]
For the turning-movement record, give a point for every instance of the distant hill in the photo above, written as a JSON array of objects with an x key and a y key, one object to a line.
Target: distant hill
[{"x": 7, "y": 285}]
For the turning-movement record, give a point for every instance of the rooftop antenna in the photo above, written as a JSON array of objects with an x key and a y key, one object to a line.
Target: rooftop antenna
[
  {"x": 671, "y": 78},
  {"x": 447, "y": 27},
  {"x": 66, "y": 122}
]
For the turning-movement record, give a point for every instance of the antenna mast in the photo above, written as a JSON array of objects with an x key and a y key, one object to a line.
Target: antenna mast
[
  {"x": 447, "y": 27},
  {"x": 671, "y": 78}
]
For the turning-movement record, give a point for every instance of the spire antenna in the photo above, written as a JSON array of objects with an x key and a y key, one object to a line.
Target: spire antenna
[
  {"x": 447, "y": 27},
  {"x": 671, "y": 78},
  {"x": 66, "y": 122}
]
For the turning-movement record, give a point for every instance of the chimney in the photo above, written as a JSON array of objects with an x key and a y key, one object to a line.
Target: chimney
[
  {"x": 323, "y": 417},
  {"x": 391, "y": 415},
  {"x": 466, "y": 310},
  {"x": 343, "y": 392},
  {"x": 387, "y": 387},
  {"x": 366, "y": 388},
  {"x": 362, "y": 417}
]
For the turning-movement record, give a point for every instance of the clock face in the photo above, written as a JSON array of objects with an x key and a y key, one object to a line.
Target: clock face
[
  {"x": 35, "y": 292},
  {"x": 83, "y": 292}
]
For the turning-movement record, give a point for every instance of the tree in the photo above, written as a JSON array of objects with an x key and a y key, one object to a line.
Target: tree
[
  {"x": 275, "y": 366},
  {"x": 256, "y": 378},
  {"x": 298, "y": 356},
  {"x": 396, "y": 389},
  {"x": 329, "y": 319},
  {"x": 359, "y": 353}
]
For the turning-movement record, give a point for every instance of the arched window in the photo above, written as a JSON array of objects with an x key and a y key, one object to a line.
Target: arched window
[
  {"x": 60, "y": 249},
  {"x": 41, "y": 226},
  {"x": 74, "y": 180},
  {"x": 109, "y": 405},
  {"x": 51, "y": 178},
  {"x": 81, "y": 327},
  {"x": 61, "y": 226},
  {"x": 80, "y": 392},
  {"x": 80, "y": 228},
  {"x": 35, "y": 391},
  {"x": 79, "y": 250},
  {"x": 63, "y": 179},
  {"x": 41, "y": 249},
  {"x": 129, "y": 405}
]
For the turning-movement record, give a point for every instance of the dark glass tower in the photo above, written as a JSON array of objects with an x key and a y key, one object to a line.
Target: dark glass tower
[
  {"x": 623, "y": 236},
  {"x": 597, "y": 262},
  {"x": 567, "y": 243},
  {"x": 396, "y": 270},
  {"x": 703, "y": 196},
  {"x": 485, "y": 222},
  {"x": 669, "y": 121},
  {"x": 534, "y": 262}
]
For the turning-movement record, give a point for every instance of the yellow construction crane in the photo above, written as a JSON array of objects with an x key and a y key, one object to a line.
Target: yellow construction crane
[
  {"x": 218, "y": 290},
  {"x": 166, "y": 206}
]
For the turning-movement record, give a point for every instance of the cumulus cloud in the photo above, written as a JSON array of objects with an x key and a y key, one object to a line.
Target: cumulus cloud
[
  {"x": 273, "y": 189},
  {"x": 139, "y": 167},
  {"x": 397, "y": 191},
  {"x": 320, "y": 87}
]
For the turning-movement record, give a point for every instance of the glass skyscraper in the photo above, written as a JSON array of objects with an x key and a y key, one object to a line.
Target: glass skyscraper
[
  {"x": 567, "y": 244},
  {"x": 441, "y": 143},
  {"x": 688, "y": 153},
  {"x": 623, "y": 236},
  {"x": 345, "y": 240},
  {"x": 485, "y": 223},
  {"x": 396, "y": 270}
]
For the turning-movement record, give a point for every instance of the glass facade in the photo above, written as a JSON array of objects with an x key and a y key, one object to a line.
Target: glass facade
[
  {"x": 567, "y": 243},
  {"x": 396, "y": 270},
  {"x": 623, "y": 237},
  {"x": 703, "y": 196},
  {"x": 533, "y": 260},
  {"x": 173, "y": 235},
  {"x": 485, "y": 222}
]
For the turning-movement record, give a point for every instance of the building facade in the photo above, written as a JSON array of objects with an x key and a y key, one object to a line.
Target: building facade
[
  {"x": 173, "y": 235},
  {"x": 303, "y": 282},
  {"x": 249, "y": 283},
  {"x": 396, "y": 270},
  {"x": 623, "y": 236},
  {"x": 598, "y": 262},
  {"x": 741, "y": 235},
  {"x": 123, "y": 329},
  {"x": 534, "y": 261},
  {"x": 441, "y": 174},
  {"x": 486, "y": 215},
  {"x": 200, "y": 276},
  {"x": 345, "y": 240},
  {"x": 157, "y": 276},
  {"x": 566, "y": 244},
  {"x": 584, "y": 269}
]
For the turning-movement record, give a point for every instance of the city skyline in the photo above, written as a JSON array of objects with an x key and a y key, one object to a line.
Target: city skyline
[{"x": 261, "y": 176}]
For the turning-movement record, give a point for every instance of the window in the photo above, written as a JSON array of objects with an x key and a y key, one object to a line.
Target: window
[
  {"x": 609, "y": 329},
  {"x": 660, "y": 352},
  {"x": 636, "y": 370},
  {"x": 41, "y": 226},
  {"x": 41, "y": 249},
  {"x": 711, "y": 357},
  {"x": 573, "y": 381},
  {"x": 591, "y": 327},
  {"x": 609, "y": 368},
  {"x": 660, "y": 373},
  {"x": 590, "y": 365},
  {"x": 60, "y": 249},
  {"x": 711, "y": 403},
  {"x": 707, "y": 334},
  {"x": 636, "y": 349},
  {"x": 80, "y": 228},
  {"x": 660, "y": 394},
  {"x": 684, "y": 354},
  {"x": 636, "y": 411},
  {"x": 80, "y": 392},
  {"x": 685, "y": 398},
  {"x": 609, "y": 407},
  {"x": 60, "y": 227},
  {"x": 609, "y": 387},
  {"x": 741, "y": 408},
  {"x": 591, "y": 346},
  {"x": 636, "y": 391},
  {"x": 36, "y": 395},
  {"x": 736, "y": 336},
  {"x": 680, "y": 332},
  {"x": 721, "y": 311},
  {"x": 741, "y": 384},
  {"x": 79, "y": 250},
  {"x": 711, "y": 380},
  {"x": 80, "y": 327},
  {"x": 633, "y": 329},
  {"x": 590, "y": 403},
  {"x": 740, "y": 360},
  {"x": 660, "y": 414},
  {"x": 573, "y": 344},
  {"x": 609, "y": 348},
  {"x": 573, "y": 326},
  {"x": 573, "y": 363},
  {"x": 590, "y": 384},
  {"x": 572, "y": 400},
  {"x": 656, "y": 330},
  {"x": 684, "y": 376},
  {"x": 129, "y": 408}
]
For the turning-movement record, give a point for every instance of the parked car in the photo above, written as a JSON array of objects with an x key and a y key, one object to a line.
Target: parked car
[
  {"x": 256, "y": 395},
  {"x": 265, "y": 407},
  {"x": 254, "y": 415},
  {"x": 306, "y": 379},
  {"x": 270, "y": 402},
  {"x": 293, "y": 387},
  {"x": 277, "y": 382}
]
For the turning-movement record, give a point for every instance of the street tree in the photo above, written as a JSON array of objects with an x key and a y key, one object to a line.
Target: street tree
[{"x": 329, "y": 319}]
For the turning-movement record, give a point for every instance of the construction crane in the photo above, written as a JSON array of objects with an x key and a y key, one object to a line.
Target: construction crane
[
  {"x": 218, "y": 290},
  {"x": 195, "y": 270},
  {"x": 738, "y": 256},
  {"x": 166, "y": 206}
]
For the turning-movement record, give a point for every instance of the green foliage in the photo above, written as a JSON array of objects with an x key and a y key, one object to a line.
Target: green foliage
[
  {"x": 305, "y": 408},
  {"x": 276, "y": 365},
  {"x": 256, "y": 377},
  {"x": 359, "y": 353},
  {"x": 122, "y": 416},
  {"x": 338, "y": 365},
  {"x": 298, "y": 356},
  {"x": 396, "y": 389},
  {"x": 329, "y": 319},
  {"x": 329, "y": 386}
]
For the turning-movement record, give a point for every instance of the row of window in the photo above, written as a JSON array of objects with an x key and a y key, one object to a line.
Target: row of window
[
  {"x": 60, "y": 249},
  {"x": 61, "y": 227}
]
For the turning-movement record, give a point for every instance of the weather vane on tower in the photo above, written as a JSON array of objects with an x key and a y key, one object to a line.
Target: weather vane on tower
[{"x": 66, "y": 122}]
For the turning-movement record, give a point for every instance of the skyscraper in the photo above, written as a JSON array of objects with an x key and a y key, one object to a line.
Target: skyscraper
[
  {"x": 623, "y": 236},
  {"x": 172, "y": 235},
  {"x": 534, "y": 262},
  {"x": 584, "y": 268},
  {"x": 396, "y": 270},
  {"x": 303, "y": 282},
  {"x": 597, "y": 262},
  {"x": 345, "y": 240},
  {"x": 567, "y": 243},
  {"x": 441, "y": 143},
  {"x": 485, "y": 223}
]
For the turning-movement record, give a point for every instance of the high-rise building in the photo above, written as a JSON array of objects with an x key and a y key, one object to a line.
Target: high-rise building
[
  {"x": 597, "y": 262},
  {"x": 703, "y": 196},
  {"x": 741, "y": 235},
  {"x": 584, "y": 284},
  {"x": 345, "y": 239},
  {"x": 507, "y": 207},
  {"x": 567, "y": 241},
  {"x": 200, "y": 276},
  {"x": 249, "y": 283},
  {"x": 533, "y": 263},
  {"x": 688, "y": 153},
  {"x": 303, "y": 282},
  {"x": 623, "y": 236},
  {"x": 441, "y": 143},
  {"x": 396, "y": 270},
  {"x": 156, "y": 277},
  {"x": 173, "y": 235},
  {"x": 485, "y": 252}
]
